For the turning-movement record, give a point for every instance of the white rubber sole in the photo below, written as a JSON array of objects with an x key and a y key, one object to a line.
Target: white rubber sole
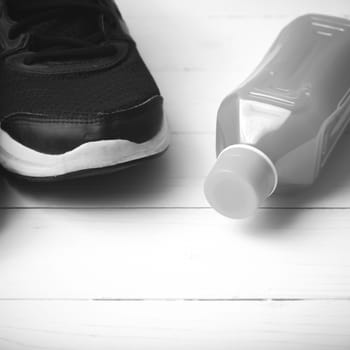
[{"x": 24, "y": 161}]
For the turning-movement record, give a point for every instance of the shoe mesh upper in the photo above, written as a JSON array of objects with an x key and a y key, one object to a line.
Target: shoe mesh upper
[{"x": 122, "y": 86}]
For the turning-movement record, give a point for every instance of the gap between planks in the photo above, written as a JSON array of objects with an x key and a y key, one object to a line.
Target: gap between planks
[
  {"x": 186, "y": 300},
  {"x": 150, "y": 208}
]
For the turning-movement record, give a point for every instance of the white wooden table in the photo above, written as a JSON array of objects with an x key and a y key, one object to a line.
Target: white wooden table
[{"x": 138, "y": 261}]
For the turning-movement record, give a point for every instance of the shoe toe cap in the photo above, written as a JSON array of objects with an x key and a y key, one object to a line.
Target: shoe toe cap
[{"x": 58, "y": 134}]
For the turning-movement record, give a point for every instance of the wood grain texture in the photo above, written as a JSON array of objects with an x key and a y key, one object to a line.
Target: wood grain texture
[
  {"x": 180, "y": 254},
  {"x": 87, "y": 325}
]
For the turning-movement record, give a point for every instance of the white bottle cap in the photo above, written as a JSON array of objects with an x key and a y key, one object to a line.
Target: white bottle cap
[{"x": 241, "y": 180}]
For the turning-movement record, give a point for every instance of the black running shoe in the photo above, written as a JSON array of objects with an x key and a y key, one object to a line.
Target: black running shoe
[{"x": 75, "y": 94}]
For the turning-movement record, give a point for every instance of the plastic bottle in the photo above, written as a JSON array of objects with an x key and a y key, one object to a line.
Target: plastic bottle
[{"x": 277, "y": 130}]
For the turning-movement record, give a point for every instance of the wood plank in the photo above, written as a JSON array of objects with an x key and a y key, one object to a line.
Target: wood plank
[
  {"x": 160, "y": 253},
  {"x": 175, "y": 180},
  {"x": 192, "y": 99},
  {"x": 217, "y": 42},
  {"x": 212, "y": 44},
  {"x": 151, "y": 8},
  {"x": 304, "y": 325}
]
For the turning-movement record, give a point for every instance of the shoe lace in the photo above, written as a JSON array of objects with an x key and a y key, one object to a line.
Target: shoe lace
[{"x": 48, "y": 46}]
